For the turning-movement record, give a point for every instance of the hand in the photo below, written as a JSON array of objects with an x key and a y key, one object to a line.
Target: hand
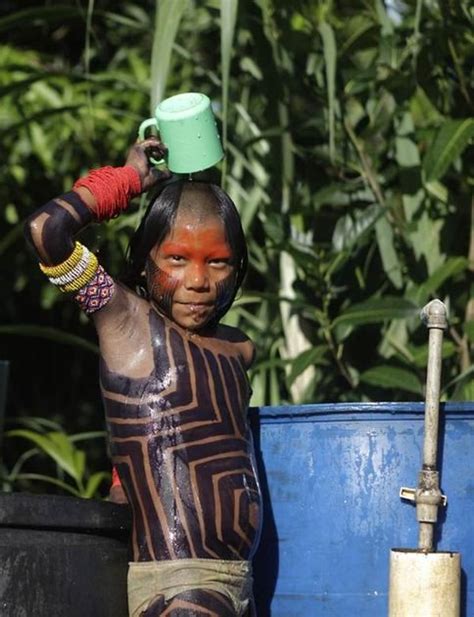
[{"x": 138, "y": 157}]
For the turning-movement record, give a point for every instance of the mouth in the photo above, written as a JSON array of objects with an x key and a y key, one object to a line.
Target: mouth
[{"x": 196, "y": 307}]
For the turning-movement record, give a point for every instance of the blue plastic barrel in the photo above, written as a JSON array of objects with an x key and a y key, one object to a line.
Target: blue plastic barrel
[{"x": 331, "y": 476}]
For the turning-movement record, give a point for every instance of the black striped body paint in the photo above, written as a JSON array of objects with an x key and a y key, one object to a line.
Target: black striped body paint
[{"x": 183, "y": 449}]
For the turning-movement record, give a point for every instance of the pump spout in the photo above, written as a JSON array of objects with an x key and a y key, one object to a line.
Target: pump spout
[
  {"x": 424, "y": 583},
  {"x": 427, "y": 495}
]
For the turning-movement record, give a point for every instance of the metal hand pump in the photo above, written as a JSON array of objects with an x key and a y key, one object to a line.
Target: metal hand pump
[{"x": 425, "y": 583}]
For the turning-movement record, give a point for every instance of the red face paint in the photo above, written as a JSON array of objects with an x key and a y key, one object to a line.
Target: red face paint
[{"x": 191, "y": 269}]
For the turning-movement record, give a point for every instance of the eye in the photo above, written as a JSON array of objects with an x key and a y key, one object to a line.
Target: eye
[
  {"x": 219, "y": 262},
  {"x": 176, "y": 259}
]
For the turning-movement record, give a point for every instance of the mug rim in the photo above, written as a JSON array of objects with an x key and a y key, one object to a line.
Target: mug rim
[{"x": 195, "y": 103}]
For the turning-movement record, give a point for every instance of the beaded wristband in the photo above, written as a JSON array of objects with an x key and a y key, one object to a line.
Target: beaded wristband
[
  {"x": 75, "y": 272},
  {"x": 82, "y": 274},
  {"x": 65, "y": 266},
  {"x": 97, "y": 293},
  {"x": 84, "y": 278}
]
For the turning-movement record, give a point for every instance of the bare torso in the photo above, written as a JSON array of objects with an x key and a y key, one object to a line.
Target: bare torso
[{"x": 180, "y": 439}]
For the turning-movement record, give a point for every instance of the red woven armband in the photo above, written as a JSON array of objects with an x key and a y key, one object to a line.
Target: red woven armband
[{"x": 112, "y": 188}]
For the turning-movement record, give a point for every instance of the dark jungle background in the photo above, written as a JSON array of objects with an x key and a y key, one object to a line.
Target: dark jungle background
[{"x": 348, "y": 128}]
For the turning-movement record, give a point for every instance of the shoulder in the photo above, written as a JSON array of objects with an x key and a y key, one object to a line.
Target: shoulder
[
  {"x": 236, "y": 336},
  {"x": 125, "y": 334}
]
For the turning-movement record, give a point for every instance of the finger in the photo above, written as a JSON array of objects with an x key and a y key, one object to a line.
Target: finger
[
  {"x": 151, "y": 141},
  {"x": 159, "y": 175},
  {"x": 155, "y": 152}
]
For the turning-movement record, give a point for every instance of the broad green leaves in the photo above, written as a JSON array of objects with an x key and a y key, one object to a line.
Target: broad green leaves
[
  {"x": 449, "y": 142},
  {"x": 61, "y": 449}
]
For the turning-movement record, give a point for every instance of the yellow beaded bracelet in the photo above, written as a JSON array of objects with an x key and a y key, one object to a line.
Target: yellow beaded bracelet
[
  {"x": 85, "y": 277},
  {"x": 65, "y": 266}
]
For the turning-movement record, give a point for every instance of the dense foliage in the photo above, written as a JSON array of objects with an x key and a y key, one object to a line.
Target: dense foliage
[{"x": 348, "y": 129}]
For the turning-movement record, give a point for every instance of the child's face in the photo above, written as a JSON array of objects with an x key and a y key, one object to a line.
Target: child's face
[{"x": 190, "y": 274}]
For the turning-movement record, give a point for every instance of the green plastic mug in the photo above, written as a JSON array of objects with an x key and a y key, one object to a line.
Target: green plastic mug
[{"x": 188, "y": 129}]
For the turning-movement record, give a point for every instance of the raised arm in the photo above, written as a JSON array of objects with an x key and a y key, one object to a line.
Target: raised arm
[
  {"x": 101, "y": 195},
  {"x": 52, "y": 228}
]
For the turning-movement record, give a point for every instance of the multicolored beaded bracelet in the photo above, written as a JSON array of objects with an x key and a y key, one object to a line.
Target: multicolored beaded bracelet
[
  {"x": 75, "y": 272},
  {"x": 70, "y": 276}
]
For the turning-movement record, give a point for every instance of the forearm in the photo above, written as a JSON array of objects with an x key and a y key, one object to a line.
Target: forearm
[
  {"x": 101, "y": 195},
  {"x": 52, "y": 228}
]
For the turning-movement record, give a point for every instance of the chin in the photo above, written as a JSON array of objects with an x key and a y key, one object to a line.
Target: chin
[{"x": 192, "y": 324}]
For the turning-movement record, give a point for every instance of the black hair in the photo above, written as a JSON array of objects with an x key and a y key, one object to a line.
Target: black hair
[{"x": 158, "y": 221}]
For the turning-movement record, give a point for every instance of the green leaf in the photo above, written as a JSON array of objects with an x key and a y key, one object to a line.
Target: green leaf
[
  {"x": 129, "y": 22},
  {"x": 375, "y": 311},
  {"x": 17, "y": 86},
  {"x": 307, "y": 358},
  {"x": 57, "y": 446},
  {"x": 392, "y": 377},
  {"x": 423, "y": 111},
  {"x": 49, "y": 480},
  {"x": 384, "y": 19},
  {"x": 40, "y": 143},
  {"x": 22, "y": 459},
  {"x": 467, "y": 391},
  {"x": 420, "y": 353},
  {"x": 37, "y": 424},
  {"x": 168, "y": 17},
  {"x": 355, "y": 28},
  {"x": 351, "y": 228},
  {"x": 88, "y": 436},
  {"x": 228, "y": 19},
  {"x": 330, "y": 60},
  {"x": 437, "y": 190},
  {"x": 448, "y": 144},
  {"x": 450, "y": 268},
  {"x": 464, "y": 384},
  {"x": 425, "y": 239},
  {"x": 93, "y": 484},
  {"x": 78, "y": 463},
  {"x": 41, "y": 115},
  {"x": 388, "y": 254}
]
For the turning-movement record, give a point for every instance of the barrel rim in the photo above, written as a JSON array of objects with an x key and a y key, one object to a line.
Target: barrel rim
[
  {"x": 26, "y": 510},
  {"x": 357, "y": 410}
]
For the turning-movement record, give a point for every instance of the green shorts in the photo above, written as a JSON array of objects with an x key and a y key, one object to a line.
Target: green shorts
[{"x": 149, "y": 579}]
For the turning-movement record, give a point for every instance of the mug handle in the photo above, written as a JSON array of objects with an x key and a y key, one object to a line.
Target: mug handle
[{"x": 142, "y": 135}]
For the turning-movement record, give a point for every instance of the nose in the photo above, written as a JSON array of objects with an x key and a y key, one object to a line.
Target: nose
[{"x": 197, "y": 277}]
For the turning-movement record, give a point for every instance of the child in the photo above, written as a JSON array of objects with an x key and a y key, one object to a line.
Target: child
[{"x": 173, "y": 380}]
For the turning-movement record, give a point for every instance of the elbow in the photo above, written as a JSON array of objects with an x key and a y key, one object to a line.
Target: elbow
[{"x": 32, "y": 230}]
